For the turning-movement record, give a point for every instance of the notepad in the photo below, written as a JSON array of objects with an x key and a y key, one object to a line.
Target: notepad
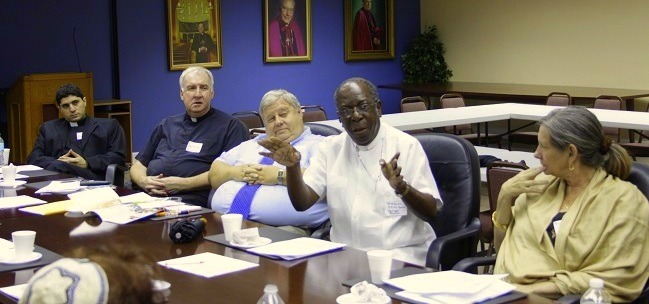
[
  {"x": 19, "y": 201},
  {"x": 48, "y": 209}
]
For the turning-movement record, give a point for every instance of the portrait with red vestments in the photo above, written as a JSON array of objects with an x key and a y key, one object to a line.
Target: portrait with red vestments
[
  {"x": 287, "y": 30},
  {"x": 369, "y": 29}
]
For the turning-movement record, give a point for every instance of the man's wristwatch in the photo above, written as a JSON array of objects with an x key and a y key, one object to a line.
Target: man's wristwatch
[{"x": 280, "y": 176}]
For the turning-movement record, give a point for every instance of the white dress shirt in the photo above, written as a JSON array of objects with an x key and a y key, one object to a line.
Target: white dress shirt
[
  {"x": 358, "y": 195},
  {"x": 271, "y": 204}
]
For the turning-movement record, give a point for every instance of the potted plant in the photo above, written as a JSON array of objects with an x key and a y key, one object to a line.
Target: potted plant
[{"x": 424, "y": 61}]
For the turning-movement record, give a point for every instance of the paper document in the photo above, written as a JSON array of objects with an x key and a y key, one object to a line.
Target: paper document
[
  {"x": 19, "y": 201},
  {"x": 48, "y": 209},
  {"x": 15, "y": 291},
  {"x": 207, "y": 264},
  {"x": 24, "y": 168},
  {"x": 450, "y": 287},
  {"x": 296, "y": 248},
  {"x": 61, "y": 187}
]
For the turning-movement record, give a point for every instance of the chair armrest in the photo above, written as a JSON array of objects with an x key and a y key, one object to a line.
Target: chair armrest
[
  {"x": 115, "y": 174},
  {"x": 322, "y": 231},
  {"x": 467, "y": 264},
  {"x": 437, "y": 247}
]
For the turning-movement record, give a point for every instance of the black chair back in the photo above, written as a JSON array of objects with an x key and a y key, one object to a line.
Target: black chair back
[
  {"x": 639, "y": 176},
  {"x": 320, "y": 129},
  {"x": 456, "y": 168}
]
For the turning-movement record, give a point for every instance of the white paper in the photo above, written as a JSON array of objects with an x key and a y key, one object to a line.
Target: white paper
[
  {"x": 19, "y": 201},
  {"x": 450, "y": 287},
  {"x": 24, "y": 168},
  {"x": 296, "y": 248},
  {"x": 207, "y": 264},
  {"x": 15, "y": 291},
  {"x": 93, "y": 199},
  {"x": 61, "y": 187},
  {"x": 135, "y": 198}
]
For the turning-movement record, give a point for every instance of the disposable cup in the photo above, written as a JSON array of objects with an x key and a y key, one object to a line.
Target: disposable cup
[
  {"x": 5, "y": 157},
  {"x": 9, "y": 174},
  {"x": 380, "y": 262},
  {"x": 23, "y": 243},
  {"x": 231, "y": 222}
]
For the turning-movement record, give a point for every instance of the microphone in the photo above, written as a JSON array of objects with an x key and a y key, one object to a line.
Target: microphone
[{"x": 187, "y": 230}]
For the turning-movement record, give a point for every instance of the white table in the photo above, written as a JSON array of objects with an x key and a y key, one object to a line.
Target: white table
[{"x": 494, "y": 112}]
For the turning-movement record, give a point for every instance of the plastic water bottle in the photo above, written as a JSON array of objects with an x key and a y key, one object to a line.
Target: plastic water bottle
[
  {"x": 596, "y": 294},
  {"x": 270, "y": 295},
  {"x": 2, "y": 149}
]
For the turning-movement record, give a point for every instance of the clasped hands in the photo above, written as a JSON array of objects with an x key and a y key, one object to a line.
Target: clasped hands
[
  {"x": 74, "y": 158},
  {"x": 256, "y": 174},
  {"x": 161, "y": 185}
]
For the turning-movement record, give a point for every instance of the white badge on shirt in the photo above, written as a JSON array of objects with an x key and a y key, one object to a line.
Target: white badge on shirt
[
  {"x": 79, "y": 135},
  {"x": 556, "y": 225},
  {"x": 394, "y": 206},
  {"x": 194, "y": 147}
]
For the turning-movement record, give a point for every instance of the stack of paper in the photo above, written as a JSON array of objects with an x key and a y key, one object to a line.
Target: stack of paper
[
  {"x": 450, "y": 287},
  {"x": 61, "y": 187},
  {"x": 15, "y": 291},
  {"x": 296, "y": 248},
  {"x": 207, "y": 264}
]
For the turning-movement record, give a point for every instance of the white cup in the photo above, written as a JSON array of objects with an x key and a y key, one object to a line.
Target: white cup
[
  {"x": 5, "y": 157},
  {"x": 23, "y": 243},
  {"x": 380, "y": 265},
  {"x": 9, "y": 174},
  {"x": 231, "y": 222}
]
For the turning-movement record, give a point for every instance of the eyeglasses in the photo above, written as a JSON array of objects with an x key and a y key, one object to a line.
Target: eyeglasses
[{"x": 362, "y": 108}]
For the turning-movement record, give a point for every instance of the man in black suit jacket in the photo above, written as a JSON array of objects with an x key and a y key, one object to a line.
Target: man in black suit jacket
[{"x": 78, "y": 144}]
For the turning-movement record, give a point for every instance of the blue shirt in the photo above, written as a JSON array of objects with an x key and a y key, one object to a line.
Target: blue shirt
[{"x": 182, "y": 147}]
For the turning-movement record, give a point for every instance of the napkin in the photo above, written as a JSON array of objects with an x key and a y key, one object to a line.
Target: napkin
[
  {"x": 248, "y": 236},
  {"x": 364, "y": 292},
  {"x": 296, "y": 248}
]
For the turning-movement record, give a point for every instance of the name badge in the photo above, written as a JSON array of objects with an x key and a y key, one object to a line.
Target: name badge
[
  {"x": 556, "y": 225},
  {"x": 194, "y": 147},
  {"x": 394, "y": 206},
  {"x": 79, "y": 135}
]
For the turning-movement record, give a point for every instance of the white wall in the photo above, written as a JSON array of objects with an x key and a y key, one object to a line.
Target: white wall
[{"x": 594, "y": 43}]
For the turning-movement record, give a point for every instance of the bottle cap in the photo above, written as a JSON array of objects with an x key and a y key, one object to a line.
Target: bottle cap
[
  {"x": 596, "y": 283},
  {"x": 271, "y": 288}
]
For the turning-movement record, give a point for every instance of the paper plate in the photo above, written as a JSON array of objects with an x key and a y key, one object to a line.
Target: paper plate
[
  {"x": 14, "y": 184},
  {"x": 11, "y": 259}
]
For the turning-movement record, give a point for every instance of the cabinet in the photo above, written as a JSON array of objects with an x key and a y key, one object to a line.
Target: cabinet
[{"x": 119, "y": 109}]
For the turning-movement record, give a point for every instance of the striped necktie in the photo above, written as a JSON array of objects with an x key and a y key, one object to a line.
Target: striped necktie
[{"x": 242, "y": 201}]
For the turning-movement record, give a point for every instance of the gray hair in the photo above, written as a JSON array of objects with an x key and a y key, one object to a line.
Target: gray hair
[
  {"x": 195, "y": 70},
  {"x": 374, "y": 94},
  {"x": 272, "y": 96},
  {"x": 578, "y": 126}
]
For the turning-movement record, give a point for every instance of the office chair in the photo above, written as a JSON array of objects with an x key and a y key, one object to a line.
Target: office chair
[
  {"x": 609, "y": 103},
  {"x": 498, "y": 172},
  {"x": 313, "y": 113},
  {"x": 454, "y": 100},
  {"x": 414, "y": 104},
  {"x": 638, "y": 149},
  {"x": 252, "y": 120},
  {"x": 456, "y": 168},
  {"x": 530, "y": 137},
  {"x": 320, "y": 129},
  {"x": 115, "y": 174}
]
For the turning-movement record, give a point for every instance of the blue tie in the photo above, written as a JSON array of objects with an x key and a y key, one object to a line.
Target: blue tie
[{"x": 243, "y": 199}]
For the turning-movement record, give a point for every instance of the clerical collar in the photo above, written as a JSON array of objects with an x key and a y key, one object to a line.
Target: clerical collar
[
  {"x": 379, "y": 135},
  {"x": 75, "y": 124},
  {"x": 199, "y": 119}
]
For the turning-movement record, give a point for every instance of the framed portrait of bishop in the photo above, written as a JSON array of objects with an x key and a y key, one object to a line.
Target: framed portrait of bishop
[
  {"x": 287, "y": 30},
  {"x": 369, "y": 29},
  {"x": 194, "y": 33}
]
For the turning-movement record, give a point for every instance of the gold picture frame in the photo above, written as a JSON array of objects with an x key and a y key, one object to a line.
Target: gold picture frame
[
  {"x": 194, "y": 33},
  {"x": 369, "y": 33},
  {"x": 287, "y": 42}
]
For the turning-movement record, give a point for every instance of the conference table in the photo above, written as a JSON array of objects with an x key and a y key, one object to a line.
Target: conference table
[
  {"x": 497, "y": 112},
  {"x": 512, "y": 92},
  {"x": 316, "y": 279}
]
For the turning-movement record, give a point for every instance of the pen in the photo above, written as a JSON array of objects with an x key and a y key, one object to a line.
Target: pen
[{"x": 163, "y": 213}]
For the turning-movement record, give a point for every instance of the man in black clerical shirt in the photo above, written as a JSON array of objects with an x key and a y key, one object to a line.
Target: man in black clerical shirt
[{"x": 78, "y": 144}]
